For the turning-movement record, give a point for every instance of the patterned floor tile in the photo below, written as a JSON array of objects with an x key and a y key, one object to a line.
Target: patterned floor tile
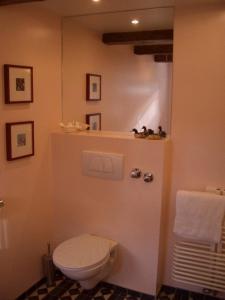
[
  {"x": 67, "y": 289},
  {"x": 147, "y": 297},
  {"x": 196, "y": 296},
  {"x": 166, "y": 293},
  {"x": 41, "y": 292},
  {"x": 103, "y": 292},
  {"x": 44, "y": 289},
  {"x": 72, "y": 293},
  {"x": 181, "y": 295}
]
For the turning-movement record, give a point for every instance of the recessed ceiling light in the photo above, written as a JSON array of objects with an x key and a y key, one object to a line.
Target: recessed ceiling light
[
  {"x": 135, "y": 22},
  {"x": 96, "y": 0}
]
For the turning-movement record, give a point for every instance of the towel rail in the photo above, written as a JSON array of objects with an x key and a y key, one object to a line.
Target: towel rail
[
  {"x": 199, "y": 264},
  {"x": 200, "y": 283},
  {"x": 198, "y": 268}
]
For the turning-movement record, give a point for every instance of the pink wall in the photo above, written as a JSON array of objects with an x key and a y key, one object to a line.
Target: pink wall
[
  {"x": 28, "y": 37},
  {"x": 33, "y": 38},
  {"x": 127, "y": 211},
  {"x": 135, "y": 89},
  {"x": 198, "y": 120}
]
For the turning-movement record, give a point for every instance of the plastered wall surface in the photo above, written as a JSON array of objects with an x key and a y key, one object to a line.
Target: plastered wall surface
[
  {"x": 136, "y": 91},
  {"x": 198, "y": 123},
  {"x": 198, "y": 146},
  {"x": 127, "y": 210},
  {"x": 28, "y": 37}
]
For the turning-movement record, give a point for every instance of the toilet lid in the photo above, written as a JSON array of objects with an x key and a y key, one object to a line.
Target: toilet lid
[{"x": 81, "y": 252}]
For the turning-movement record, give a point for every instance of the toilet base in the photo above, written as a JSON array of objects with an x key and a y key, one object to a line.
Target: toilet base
[
  {"x": 89, "y": 284},
  {"x": 93, "y": 281}
]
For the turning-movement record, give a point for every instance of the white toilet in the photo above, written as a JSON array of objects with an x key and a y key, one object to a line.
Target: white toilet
[{"x": 86, "y": 258}]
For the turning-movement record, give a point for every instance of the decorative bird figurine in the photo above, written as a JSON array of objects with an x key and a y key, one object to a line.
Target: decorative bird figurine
[
  {"x": 140, "y": 135},
  {"x": 146, "y": 131},
  {"x": 161, "y": 133},
  {"x": 150, "y": 131},
  {"x": 135, "y": 130}
]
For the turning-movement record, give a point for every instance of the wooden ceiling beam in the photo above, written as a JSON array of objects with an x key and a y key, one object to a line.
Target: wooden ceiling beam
[
  {"x": 153, "y": 49},
  {"x": 163, "y": 58},
  {"x": 117, "y": 38},
  {"x": 9, "y": 2}
]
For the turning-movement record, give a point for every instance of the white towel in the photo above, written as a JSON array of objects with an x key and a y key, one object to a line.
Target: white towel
[{"x": 199, "y": 216}]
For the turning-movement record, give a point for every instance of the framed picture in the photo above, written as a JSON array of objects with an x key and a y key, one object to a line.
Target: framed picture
[
  {"x": 19, "y": 140},
  {"x": 93, "y": 87},
  {"x": 18, "y": 82},
  {"x": 94, "y": 121}
]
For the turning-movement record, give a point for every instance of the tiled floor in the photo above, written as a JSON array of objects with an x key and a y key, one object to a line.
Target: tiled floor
[
  {"x": 67, "y": 289},
  {"x": 168, "y": 293}
]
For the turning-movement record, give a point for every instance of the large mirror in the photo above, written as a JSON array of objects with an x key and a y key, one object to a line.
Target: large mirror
[{"x": 136, "y": 70}]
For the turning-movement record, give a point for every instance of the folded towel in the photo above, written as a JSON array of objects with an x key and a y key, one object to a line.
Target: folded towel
[{"x": 199, "y": 216}]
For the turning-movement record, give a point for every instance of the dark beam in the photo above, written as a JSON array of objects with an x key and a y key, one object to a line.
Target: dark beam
[
  {"x": 163, "y": 58},
  {"x": 131, "y": 37},
  {"x": 153, "y": 49},
  {"x": 9, "y": 2}
]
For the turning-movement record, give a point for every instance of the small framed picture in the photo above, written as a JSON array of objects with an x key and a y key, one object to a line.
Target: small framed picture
[
  {"x": 93, "y": 87},
  {"x": 19, "y": 140},
  {"x": 18, "y": 82},
  {"x": 94, "y": 121}
]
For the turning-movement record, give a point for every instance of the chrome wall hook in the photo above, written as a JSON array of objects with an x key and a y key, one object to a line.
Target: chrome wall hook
[
  {"x": 135, "y": 173},
  {"x": 148, "y": 177}
]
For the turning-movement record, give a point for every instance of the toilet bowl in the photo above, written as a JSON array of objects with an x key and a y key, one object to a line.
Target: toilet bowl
[{"x": 86, "y": 258}]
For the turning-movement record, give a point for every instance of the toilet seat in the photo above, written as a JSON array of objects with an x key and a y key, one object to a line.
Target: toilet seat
[{"x": 82, "y": 252}]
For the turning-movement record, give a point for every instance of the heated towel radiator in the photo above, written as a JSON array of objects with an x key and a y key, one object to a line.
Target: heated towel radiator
[{"x": 200, "y": 264}]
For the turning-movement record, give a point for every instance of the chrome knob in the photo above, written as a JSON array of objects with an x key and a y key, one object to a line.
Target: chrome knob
[
  {"x": 135, "y": 173},
  {"x": 148, "y": 177},
  {"x": 2, "y": 203}
]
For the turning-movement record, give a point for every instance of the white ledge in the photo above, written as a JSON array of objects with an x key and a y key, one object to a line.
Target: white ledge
[{"x": 108, "y": 134}]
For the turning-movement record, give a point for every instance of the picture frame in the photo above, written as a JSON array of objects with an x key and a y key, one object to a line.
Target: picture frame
[
  {"x": 19, "y": 140},
  {"x": 93, "y": 87},
  {"x": 18, "y": 84},
  {"x": 94, "y": 121}
]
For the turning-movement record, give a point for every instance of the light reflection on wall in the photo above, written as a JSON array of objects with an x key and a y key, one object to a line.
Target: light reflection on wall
[
  {"x": 150, "y": 115},
  {"x": 155, "y": 110},
  {"x": 3, "y": 231}
]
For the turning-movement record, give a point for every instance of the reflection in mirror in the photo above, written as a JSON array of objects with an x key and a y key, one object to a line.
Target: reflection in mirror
[{"x": 135, "y": 89}]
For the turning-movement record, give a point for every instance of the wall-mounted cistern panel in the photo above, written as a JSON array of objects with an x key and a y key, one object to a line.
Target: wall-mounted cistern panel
[{"x": 103, "y": 165}]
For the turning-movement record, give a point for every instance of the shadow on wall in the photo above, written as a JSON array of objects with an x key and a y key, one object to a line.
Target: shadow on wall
[{"x": 157, "y": 110}]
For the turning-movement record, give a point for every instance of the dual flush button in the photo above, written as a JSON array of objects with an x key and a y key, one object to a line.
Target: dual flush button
[{"x": 136, "y": 173}]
